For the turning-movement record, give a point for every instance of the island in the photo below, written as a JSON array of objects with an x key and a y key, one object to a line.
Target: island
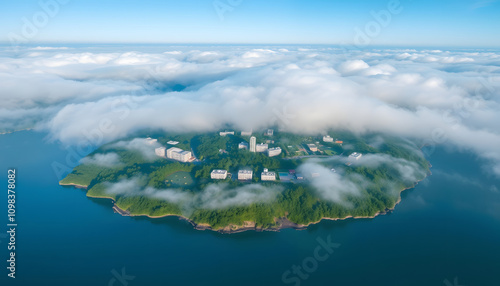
[{"x": 232, "y": 181}]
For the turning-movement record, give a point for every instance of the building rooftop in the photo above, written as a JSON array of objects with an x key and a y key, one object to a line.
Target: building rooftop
[{"x": 150, "y": 140}]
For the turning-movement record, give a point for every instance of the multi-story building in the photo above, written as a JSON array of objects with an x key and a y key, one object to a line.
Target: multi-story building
[
  {"x": 269, "y": 132},
  {"x": 218, "y": 174},
  {"x": 243, "y": 145},
  {"x": 312, "y": 147},
  {"x": 224, "y": 133},
  {"x": 268, "y": 176},
  {"x": 179, "y": 154},
  {"x": 160, "y": 151},
  {"x": 261, "y": 147},
  {"x": 327, "y": 138},
  {"x": 245, "y": 175},
  {"x": 246, "y": 133},
  {"x": 271, "y": 152},
  {"x": 253, "y": 143},
  {"x": 355, "y": 155}
]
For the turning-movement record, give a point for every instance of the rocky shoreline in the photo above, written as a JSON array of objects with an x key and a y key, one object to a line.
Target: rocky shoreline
[{"x": 282, "y": 223}]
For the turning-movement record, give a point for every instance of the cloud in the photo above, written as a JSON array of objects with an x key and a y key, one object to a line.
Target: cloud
[
  {"x": 217, "y": 196},
  {"x": 19, "y": 118},
  {"x": 49, "y": 48},
  {"x": 409, "y": 172},
  {"x": 353, "y": 66},
  {"x": 214, "y": 196},
  {"x": 359, "y": 67},
  {"x": 143, "y": 146},
  {"x": 124, "y": 187},
  {"x": 339, "y": 185},
  {"x": 109, "y": 160},
  {"x": 432, "y": 96},
  {"x": 332, "y": 186}
]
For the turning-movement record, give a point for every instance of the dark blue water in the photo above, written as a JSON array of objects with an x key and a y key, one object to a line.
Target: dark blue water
[{"x": 447, "y": 227}]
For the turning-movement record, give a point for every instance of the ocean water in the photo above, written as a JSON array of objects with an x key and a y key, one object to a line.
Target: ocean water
[{"x": 446, "y": 231}]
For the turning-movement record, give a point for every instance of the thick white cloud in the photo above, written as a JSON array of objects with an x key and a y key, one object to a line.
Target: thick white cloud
[{"x": 98, "y": 95}]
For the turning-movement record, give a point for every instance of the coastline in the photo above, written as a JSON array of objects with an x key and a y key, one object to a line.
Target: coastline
[
  {"x": 386, "y": 211},
  {"x": 74, "y": 185},
  {"x": 283, "y": 222}
]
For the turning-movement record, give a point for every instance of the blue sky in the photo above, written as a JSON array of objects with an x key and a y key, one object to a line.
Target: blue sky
[{"x": 419, "y": 23}]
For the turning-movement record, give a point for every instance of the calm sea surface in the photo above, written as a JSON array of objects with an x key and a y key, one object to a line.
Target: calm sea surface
[{"x": 447, "y": 228}]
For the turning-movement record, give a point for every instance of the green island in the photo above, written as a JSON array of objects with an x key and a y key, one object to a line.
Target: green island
[{"x": 267, "y": 180}]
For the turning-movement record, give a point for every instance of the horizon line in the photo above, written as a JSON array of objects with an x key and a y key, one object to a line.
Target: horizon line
[{"x": 50, "y": 43}]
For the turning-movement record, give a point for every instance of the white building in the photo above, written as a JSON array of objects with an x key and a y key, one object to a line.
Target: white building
[
  {"x": 179, "y": 154},
  {"x": 253, "y": 142},
  {"x": 269, "y": 132},
  {"x": 268, "y": 176},
  {"x": 151, "y": 141},
  {"x": 218, "y": 174},
  {"x": 355, "y": 155},
  {"x": 243, "y": 145},
  {"x": 271, "y": 152},
  {"x": 327, "y": 138},
  {"x": 172, "y": 142},
  {"x": 224, "y": 133},
  {"x": 261, "y": 147},
  {"x": 245, "y": 175},
  {"x": 312, "y": 147},
  {"x": 246, "y": 133},
  {"x": 160, "y": 151}
]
